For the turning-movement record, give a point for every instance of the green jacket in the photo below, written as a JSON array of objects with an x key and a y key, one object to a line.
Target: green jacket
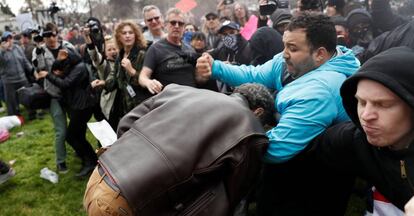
[{"x": 120, "y": 79}]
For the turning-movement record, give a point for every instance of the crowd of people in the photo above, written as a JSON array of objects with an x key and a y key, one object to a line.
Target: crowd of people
[{"x": 322, "y": 91}]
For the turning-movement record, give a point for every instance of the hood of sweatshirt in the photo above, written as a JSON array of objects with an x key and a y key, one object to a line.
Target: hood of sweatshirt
[{"x": 392, "y": 68}]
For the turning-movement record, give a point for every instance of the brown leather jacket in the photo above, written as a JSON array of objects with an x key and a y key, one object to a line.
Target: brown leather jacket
[{"x": 186, "y": 151}]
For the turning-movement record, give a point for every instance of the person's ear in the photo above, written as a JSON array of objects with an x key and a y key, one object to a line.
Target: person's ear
[
  {"x": 321, "y": 55},
  {"x": 258, "y": 111}
]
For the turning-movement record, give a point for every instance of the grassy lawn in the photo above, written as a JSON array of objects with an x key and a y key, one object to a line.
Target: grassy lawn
[{"x": 28, "y": 194}]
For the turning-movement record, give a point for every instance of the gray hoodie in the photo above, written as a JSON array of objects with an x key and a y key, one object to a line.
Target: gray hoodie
[{"x": 14, "y": 65}]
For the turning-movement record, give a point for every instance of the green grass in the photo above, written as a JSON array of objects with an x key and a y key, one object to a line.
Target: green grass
[{"x": 28, "y": 194}]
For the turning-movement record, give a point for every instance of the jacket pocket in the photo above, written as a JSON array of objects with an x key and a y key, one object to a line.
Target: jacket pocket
[{"x": 212, "y": 202}]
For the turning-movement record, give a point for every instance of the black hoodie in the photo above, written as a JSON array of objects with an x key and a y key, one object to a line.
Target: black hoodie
[
  {"x": 74, "y": 83},
  {"x": 265, "y": 43},
  {"x": 392, "y": 68},
  {"x": 345, "y": 146}
]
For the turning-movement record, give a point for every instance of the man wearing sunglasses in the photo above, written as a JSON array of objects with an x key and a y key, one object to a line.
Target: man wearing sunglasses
[
  {"x": 43, "y": 57},
  {"x": 155, "y": 23},
  {"x": 169, "y": 60}
]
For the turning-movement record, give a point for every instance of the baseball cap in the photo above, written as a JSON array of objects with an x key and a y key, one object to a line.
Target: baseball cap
[
  {"x": 230, "y": 25},
  {"x": 211, "y": 15}
]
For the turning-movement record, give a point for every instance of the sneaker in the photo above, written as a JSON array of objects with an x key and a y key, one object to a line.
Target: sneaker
[
  {"x": 62, "y": 168},
  {"x": 6, "y": 176},
  {"x": 85, "y": 170}
]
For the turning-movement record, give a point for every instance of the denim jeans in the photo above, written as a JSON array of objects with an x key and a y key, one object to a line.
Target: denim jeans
[{"x": 59, "y": 120}]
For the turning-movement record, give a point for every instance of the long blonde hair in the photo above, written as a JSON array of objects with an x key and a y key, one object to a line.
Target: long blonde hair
[{"x": 139, "y": 37}]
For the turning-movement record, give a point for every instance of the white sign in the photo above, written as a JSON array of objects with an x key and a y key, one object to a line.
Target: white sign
[
  {"x": 25, "y": 21},
  {"x": 43, "y": 17}
]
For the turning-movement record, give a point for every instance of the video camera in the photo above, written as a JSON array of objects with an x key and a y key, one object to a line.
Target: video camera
[
  {"x": 93, "y": 26},
  {"x": 272, "y": 5},
  {"x": 53, "y": 9}
]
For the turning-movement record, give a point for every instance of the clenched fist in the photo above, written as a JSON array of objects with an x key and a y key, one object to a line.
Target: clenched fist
[{"x": 203, "y": 68}]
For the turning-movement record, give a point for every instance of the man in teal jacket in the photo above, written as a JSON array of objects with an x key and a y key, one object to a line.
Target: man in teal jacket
[{"x": 307, "y": 76}]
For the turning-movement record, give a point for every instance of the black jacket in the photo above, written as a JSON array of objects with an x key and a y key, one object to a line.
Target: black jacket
[
  {"x": 345, "y": 146},
  {"x": 243, "y": 55},
  {"x": 265, "y": 43},
  {"x": 403, "y": 35},
  {"x": 74, "y": 84}
]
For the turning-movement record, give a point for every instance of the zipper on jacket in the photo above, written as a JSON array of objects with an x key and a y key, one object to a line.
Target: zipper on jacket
[{"x": 404, "y": 174}]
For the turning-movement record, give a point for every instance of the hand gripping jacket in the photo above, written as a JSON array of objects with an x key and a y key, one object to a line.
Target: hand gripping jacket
[{"x": 186, "y": 151}]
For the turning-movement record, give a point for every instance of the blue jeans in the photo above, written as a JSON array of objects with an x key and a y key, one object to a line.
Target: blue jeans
[{"x": 59, "y": 120}]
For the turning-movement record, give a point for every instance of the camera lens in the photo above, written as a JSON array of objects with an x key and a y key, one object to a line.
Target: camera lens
[{"x": 38, "y": 38}]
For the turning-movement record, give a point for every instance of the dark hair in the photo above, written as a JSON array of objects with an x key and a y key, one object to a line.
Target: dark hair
[
  {"x": 311, "y": 5},
  {"x": 257, "y": 96},
  {"x": 192, "y": 24},
  {"x": 199, "y": 35},
  {"x": 320, "y": 30},
  {"x": 50, "y": 27}
]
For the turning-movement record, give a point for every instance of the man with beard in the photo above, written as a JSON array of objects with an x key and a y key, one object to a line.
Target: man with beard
[{"x": 307, "y": 76}]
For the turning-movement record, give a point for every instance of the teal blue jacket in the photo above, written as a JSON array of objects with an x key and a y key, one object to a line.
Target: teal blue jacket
[{"x": 307, "y": 105}]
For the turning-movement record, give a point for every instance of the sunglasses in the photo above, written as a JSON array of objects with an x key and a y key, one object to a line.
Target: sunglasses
[
  {"x": 154, "y": 18},
  {"x": 49, "y": 34},
  {"x": 174, "y": 23}
]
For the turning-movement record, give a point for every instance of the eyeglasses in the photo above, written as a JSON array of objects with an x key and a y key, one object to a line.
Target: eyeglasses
[
  {"x": 174, "y": 23},
  {"x": 154, "y": 18}
]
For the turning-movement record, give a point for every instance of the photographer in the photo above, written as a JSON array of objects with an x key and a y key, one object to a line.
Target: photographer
[
  {"x": 43, "y": 57},
  {"x": 278, "y": 12},
  {"x": 13, "y": 69},
  {"x": 104, "y": 65},
  {"x": 94, "y": 38}
]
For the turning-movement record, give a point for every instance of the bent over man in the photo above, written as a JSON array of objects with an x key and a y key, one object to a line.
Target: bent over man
[{"x": 180, "y": 147}]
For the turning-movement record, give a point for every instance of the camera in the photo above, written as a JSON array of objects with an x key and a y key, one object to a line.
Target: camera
[
  {"x": 53, "y": 9},
  {"x": 39, "y": 34},
  {"x": 93, "y": 26},
  {"x": 228, "y": 2},
  {"x": 272, "y": 5}
]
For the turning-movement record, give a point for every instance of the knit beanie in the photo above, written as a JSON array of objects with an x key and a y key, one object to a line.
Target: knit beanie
[
  {"x": 339, "y": 4},
  {"x": 357, "y": 16},
  {"x": 280, "y": 16},
  {"x": 392, "y": 68}
]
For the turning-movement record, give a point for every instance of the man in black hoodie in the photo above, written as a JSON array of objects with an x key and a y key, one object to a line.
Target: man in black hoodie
[{"x": 378, "y": 144}]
